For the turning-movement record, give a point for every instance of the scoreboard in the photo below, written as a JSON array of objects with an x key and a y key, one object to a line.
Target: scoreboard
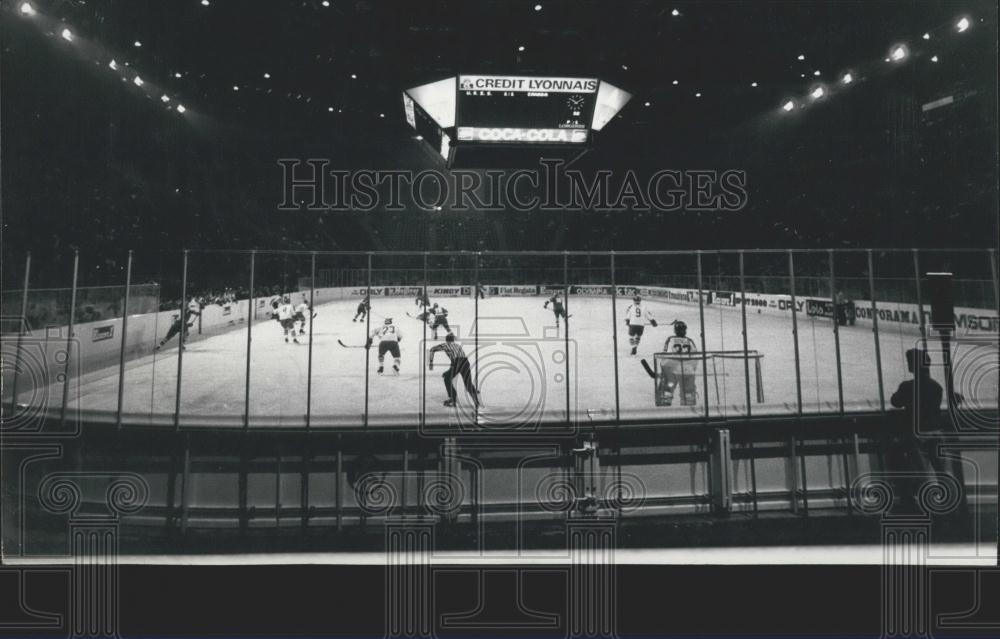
[
  {"x": 510, "y": 118},
  {"x": 525, "y": 109}
]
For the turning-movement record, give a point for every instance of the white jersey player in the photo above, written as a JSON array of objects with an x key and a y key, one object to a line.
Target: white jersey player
[
  {"x": 637, "y": 317},
  {"x": 679, "y": 370},
  {"x": 286, "y": 317},
  {"x": 302, "y": 313},
  {"x": 389, "y": 336}
]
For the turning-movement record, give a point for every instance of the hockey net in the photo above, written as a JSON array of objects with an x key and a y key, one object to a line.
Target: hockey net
[{"x": 680, "y": 379}]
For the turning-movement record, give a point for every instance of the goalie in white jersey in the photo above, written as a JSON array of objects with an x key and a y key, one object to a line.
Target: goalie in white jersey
[
  {"x": 636, "y": 318},
  {"x": 679, "y": 370},
  {"x": 389, "y": 336}
]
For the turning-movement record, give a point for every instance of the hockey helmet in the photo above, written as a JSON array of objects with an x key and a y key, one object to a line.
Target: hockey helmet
[{"x": 680, "y": 328}]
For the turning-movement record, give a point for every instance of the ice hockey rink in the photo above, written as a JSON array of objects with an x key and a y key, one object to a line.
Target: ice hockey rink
[{"x": 519, "y": 358}]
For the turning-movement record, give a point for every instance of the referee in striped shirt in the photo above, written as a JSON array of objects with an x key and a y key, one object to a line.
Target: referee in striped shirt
[{"x": 459, "y": 366}]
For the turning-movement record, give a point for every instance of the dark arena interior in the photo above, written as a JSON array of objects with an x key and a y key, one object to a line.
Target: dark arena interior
[{"x": 313, "y": 276}]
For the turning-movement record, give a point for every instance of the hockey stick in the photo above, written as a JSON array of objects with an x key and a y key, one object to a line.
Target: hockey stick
[
  {"x": 649, "y": 371},
  {"x": 350, "y": 345}
]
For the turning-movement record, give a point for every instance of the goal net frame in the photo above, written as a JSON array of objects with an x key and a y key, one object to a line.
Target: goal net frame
[{"x": 710, "y": 360}]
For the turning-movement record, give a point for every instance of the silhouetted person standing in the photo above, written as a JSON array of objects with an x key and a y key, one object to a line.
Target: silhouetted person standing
[{"x": 916, "y": 451}]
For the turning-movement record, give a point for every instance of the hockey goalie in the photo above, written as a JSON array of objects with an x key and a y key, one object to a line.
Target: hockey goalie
[{"x": 677, "y": 368}]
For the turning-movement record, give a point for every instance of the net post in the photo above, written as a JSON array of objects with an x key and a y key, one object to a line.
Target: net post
[
  {"x": 21, "y": 329},
  {"x": 795, "y": 331},
  {"x": 836, "y": 332},
  {"x": 368, "y": 332},
  {"x": 746, "y": 348},
  {"x": 251, "y": 309},
  {"x": 69, "y": 337},
  {"x": 614, "y": 339},
  {"x": 124, "y": 337},
  {"x": 878, "y": 348},
  {"x": 180, "y": 343},
  {"x": 704, "y": 355},
  {"x": 309, "y": 365}
]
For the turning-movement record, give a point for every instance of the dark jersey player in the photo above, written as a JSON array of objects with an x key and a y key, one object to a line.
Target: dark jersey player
[
  {"x": 189, "y": 315},
  {"x": 422, "y": 300},
  {"x": 438, "y": 318},
  {"x": 363, "y": 307},
  {"x": 558, "y": 309}
]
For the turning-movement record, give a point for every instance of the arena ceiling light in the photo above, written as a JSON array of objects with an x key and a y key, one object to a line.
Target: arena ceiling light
[
  {"x": 164, "y": 98},
  {"x": 66, "y": 35},
  {"x": 788, "y": 106},
  {"x": 646, "y": 104},
  {"x": 697, "y": 95},
  {"x": 675, "y": 83},
  {"x": 962, "y": 25},
  {"x": 927, "y": 36},
  {"x": 521, "y": 48},
  {"x": 801, "y": 57},
  {"x": 817, "y": 92},
  {"x": 178, "y": 74},
  {"x": 675, "y": 13},
  {"x": 205, "y": 3},
  {"x": 180, "y": 108},
  {"x": 113, "y": 65},
  {"x": 816, "y": 73},
  {"x": 27, "y": 10},
  {"x": 934, "y": 58},
  {"x": 236, "y": 87},
  {"x": 847, "y": 78},
  {"x": 899, "y": 53},
  {"x": 137, "y": 44},
  {"x": 538, "y": 7},
  {"x": 267, "y": 76},
  {"x": 354, "y": 76},
  {"x": 326, "y": 3},
  {"x": 753, "y": 84},
  {"x": 330, "y": 109},
  {"x": 138, "y": 81}
]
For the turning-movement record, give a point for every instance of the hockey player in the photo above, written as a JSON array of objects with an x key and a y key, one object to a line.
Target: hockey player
[
  {"x": 389, "y": 336},
  {"x": 557, "y": 307},
  {"x": 440, "y": 319},
  {"x": 286, "y": 317},
  {"x": 302, "y": 312},
  {"x": 185, "y": 322},
  {"x": 481, "y": 291},
  {"x": 636, "y": 318},
  {"x": 459, "y": 366},
  {"x": 363, "y": 307},
  {"x": 422, "y": 300},
  {"x": 680, "y": 370}
]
